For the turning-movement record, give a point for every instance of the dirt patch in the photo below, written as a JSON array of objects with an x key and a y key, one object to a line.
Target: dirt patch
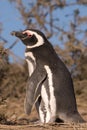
[
  {"x": 45, "y": 127},
  {"x": 12, "y": 117}
]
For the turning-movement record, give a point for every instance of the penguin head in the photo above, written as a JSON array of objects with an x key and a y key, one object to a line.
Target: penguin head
[{"x": 31, "y": 38}]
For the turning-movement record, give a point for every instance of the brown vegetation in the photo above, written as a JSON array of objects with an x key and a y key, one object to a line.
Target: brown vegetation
[{"x": 13, "y": 76}]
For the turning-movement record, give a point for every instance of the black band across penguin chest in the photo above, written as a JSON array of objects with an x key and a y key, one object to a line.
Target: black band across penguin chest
[{"x": 31, "y": 61}]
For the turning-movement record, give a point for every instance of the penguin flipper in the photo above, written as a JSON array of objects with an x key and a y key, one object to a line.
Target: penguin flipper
[{"x": 33, "y": 89}]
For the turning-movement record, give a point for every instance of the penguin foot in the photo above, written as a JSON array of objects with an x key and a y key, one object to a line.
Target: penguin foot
[
  {"x": 72, "y": 117},
  {"x": 58, "y": 120}
]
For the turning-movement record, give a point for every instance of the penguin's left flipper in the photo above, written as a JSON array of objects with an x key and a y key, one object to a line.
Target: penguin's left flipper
[{"x": 33, "y": 89}]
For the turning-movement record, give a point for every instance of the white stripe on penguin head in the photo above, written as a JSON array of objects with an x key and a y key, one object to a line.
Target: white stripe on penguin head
[{"x": 40, "y": 39}]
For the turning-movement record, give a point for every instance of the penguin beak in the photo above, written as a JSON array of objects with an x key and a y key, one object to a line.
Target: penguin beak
[{"x": 17, "y": 34}]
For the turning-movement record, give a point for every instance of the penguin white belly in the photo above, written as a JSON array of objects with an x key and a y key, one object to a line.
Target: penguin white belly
[
  {"x": 52, "y": 101},
  {"x": 49, "y": 114},
  {"x": 44, "y": 114}
]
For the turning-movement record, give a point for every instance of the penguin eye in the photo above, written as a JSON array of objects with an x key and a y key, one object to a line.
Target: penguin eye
[
  {"x": 27, "y": 34},
  {"x": 30, "y": 35}
]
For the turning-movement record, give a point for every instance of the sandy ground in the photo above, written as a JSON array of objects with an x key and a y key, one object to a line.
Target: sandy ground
[
  {"x": 12, "y": 117},
  {"x": 45, "y": 127}
]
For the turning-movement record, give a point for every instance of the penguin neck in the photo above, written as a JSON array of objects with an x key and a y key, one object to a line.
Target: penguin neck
[{"x": 34, "y": 48}]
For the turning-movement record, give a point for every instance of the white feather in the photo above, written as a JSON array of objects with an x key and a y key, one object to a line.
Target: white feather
[
  {"x": 30, "y": 64},
  {"x": 30, "y": 54},
  {"x": 51, "y": 90},
  {"x": 46, "y": 105}
]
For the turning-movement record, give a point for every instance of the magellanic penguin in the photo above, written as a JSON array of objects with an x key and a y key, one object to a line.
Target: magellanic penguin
[{"x": 50, "y": 85}]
